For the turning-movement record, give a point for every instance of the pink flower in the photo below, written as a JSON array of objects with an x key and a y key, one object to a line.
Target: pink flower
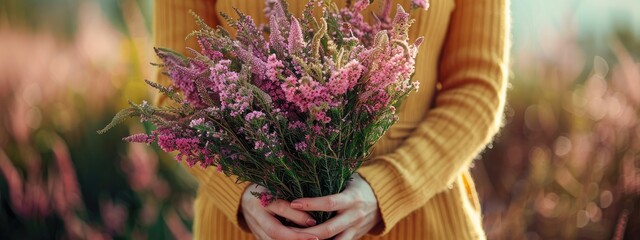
[
  {"x": 258, "y": 145},
  {"x": 346, "y": 78},
  {"x": 182, "y": 140},
  {"x": 360, "y": 5},
  {"x": 266, "y": 198},
  {"x": 297, "y": 125},
  {"x": 296, "y": 40},
  {"x": 274, "y": 67},
  {"x": 196, "y": 122},
  {"x": 183, "y": 73},
  {"x": 424, "y": 4},
  {"x": 139, "y": 138},
  {"x": 208, "y": 50},
  {"x": 309, "y": 96},
  {"x": 301, "y": 146},
  {"x": 253, "y": 115},
  {"x": 233, "y": 96}
]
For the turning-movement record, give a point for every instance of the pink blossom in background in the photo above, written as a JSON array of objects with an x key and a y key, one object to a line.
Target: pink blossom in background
[
  {"x": 114, "y": 216},
  {"x": 141, "y": 166},
  {"x": 14, "y": 182},
  {"x": 67, "y": 174}
]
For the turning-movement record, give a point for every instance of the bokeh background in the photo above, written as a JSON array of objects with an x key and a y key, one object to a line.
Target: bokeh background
[{"x": 566, "y": 164}]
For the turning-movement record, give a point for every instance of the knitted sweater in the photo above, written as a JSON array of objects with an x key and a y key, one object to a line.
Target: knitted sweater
[{"x": 419, "y": 169}]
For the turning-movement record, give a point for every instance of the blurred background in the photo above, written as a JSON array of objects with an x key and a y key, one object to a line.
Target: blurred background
[{"x": 565, "y": 166}]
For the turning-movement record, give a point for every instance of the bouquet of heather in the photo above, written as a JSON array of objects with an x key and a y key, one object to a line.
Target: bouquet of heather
[{"x": 297, "y": 113}]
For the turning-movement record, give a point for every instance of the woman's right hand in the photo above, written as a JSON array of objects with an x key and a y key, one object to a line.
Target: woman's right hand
[{"x": 262, "y": 222}]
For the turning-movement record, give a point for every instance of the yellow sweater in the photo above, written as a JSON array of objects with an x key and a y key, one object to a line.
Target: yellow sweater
[{"x": 419, "y": 169}]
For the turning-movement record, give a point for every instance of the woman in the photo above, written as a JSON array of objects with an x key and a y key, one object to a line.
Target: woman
[{"x": 417, "y": 184}]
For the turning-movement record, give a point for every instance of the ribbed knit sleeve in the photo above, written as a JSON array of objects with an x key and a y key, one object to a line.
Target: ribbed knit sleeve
[
  {"x": 467, "y": 113},
  {"x": 173, "y": 23}
]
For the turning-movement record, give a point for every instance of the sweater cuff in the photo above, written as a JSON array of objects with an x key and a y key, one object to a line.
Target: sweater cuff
[{"x": 395, "y": 192}]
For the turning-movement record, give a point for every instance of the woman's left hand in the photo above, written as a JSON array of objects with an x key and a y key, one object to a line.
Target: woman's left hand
[{"x": 356, "y": 207}]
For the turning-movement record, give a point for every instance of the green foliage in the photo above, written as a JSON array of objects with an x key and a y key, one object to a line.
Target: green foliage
[{"x": 120, "y": 117}]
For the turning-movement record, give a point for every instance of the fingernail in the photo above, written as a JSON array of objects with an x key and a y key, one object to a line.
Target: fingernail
[
  {"x": 311, "y": 222},
  {"x": 296, "y": 205},
  {"x": 313, "y": 238}
]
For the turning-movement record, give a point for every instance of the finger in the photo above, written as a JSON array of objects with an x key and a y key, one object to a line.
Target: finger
[
  {"x": 334, "y": 226},
  {"x": 347, "y": 235},
  {"x": 275, "y": 230},
  {"x": 256, "y": 230},
  {"x": 283, "y": 208},
  {"x": 329, "y": 203}
]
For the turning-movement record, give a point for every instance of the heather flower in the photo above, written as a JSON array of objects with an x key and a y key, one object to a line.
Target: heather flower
[
  {"x": 296, "y": 125},
  {"x": 360, "y": 5},
  {"x": 424, "y": 4},
  {"x": 259, "y": 145},
  {"x": 309, "y": 96},
  {"x": 253, "y": 115},
  {"x": 274, "y": 68},
  {"x": 265, "y": 198},
  {"x": 139, "y": 138},
  {"x": 271, "y": 84},
  {"x": 184, "y": 74},
  {"x": 207, "y": 49},
  {"x": 346, "y": 78},
  {"x": 234, "y": 96},
  {"x": 291, "y": 113},
  {"x": 257, "y": 66},
  {"x": 277, "y": 39},
  {"x": 296, "y": 39},
  {"x": 196, "y": 122},
  {"x": 301, "y": 146},
  {"x": 250, "y": 38}
]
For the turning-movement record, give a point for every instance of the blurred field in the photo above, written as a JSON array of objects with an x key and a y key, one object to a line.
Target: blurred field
[
  {"x": 565, "y": 166},
  {"x": 66, "y": 67},
  {"x": 567, "y": 163}
]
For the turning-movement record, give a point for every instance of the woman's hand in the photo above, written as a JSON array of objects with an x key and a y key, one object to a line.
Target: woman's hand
[
  {"x": 357, "y": 209},
  {"x": 264, "y": 225}
]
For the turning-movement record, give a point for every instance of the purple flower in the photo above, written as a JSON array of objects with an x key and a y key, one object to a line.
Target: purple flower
[
  {"x": 277, "y": 39},
  {"x": 184, "y": 73},
  {"x": 208, "y": 50},
  {"x": 196, "y": 122},
  {"x": 234, "y": 96},
  {"x": 333, "y": 81},
  {"x": 301, "y": 146},
  {"x": 258, "y": 145},
  {"x": 181, "y": 140},
  {"x": 297, "y": 125},
  {"x": 253, "y": 115}
]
